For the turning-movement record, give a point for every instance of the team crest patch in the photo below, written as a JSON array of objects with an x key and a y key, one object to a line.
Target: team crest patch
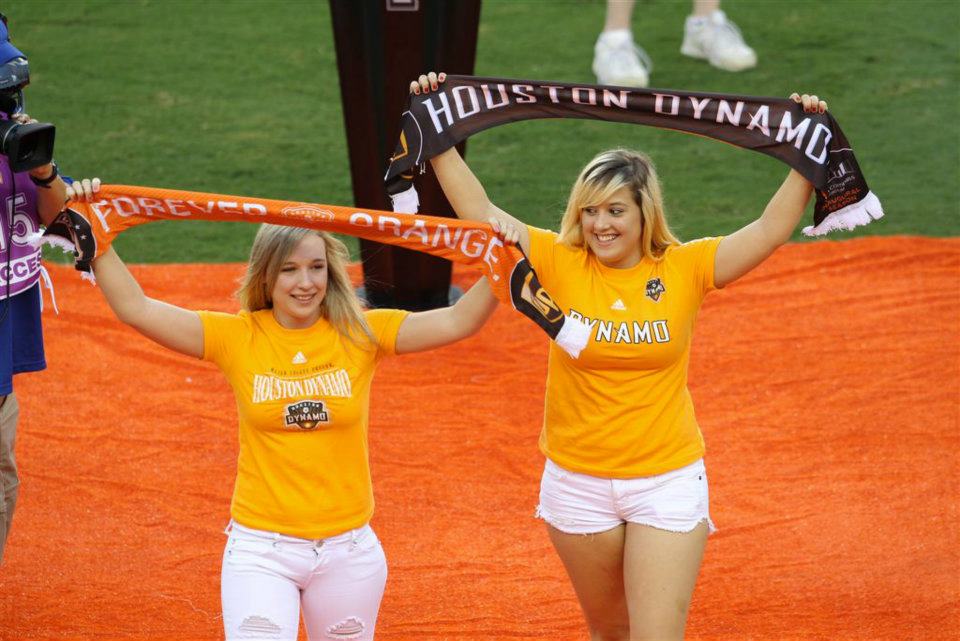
[
  {"x": 305, "y": 415},
  {"x": 655, "y": 289}
]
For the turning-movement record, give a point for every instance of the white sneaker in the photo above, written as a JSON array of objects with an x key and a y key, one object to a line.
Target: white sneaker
[
  {"x": 717, "y": 40},
  {"x": 619, "y": 61}
]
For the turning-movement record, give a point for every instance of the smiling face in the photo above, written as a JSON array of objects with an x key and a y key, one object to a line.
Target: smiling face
[
  {"x": 301, "y": 284},
  {"x": 611, "y": 229}
]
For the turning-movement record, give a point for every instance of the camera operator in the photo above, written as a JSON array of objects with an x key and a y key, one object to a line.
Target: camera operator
[{"x": 29, "y": 198}]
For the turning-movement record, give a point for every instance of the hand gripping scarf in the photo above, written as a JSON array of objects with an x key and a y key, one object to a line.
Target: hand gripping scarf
[
  {"x": 813, "y": 144},
  {"x": 87, "y": 229}
]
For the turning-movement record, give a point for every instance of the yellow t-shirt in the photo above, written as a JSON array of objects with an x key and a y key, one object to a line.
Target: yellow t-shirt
[
  {"x": 303, "y": 399},
  {"x": 623, "y": 409}
]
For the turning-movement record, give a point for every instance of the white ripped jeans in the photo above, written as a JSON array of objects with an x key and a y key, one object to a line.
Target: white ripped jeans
[{"x": 267, "y": 578}]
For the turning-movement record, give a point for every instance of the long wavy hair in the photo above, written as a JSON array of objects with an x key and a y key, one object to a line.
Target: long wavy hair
[
  {"x": 605, "y": 174},
  {"x": 271, "y": 249}
]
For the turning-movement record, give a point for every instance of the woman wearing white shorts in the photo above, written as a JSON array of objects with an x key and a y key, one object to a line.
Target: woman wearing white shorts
[{"x": 624, "y": 490}]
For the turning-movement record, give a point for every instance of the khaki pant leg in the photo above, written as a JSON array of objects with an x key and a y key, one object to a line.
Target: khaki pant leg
[{"x": 9, "y": 481}]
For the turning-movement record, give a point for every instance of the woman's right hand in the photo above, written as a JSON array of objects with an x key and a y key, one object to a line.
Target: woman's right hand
[
  {"x": 84, "y": 189},
  {"x": 462, "y": 188},
  {"x": 427, "y": 82}
]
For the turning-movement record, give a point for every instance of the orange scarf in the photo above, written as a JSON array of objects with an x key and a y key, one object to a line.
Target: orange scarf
[{"x": 88, "y": 229}]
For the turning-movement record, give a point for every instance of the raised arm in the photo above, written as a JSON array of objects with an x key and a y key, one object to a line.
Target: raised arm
[
  {"x": 461, "y": 187},
  {"x": 421, "y": 331},
  {"x": 746, "y": 248},
  {"x": 173, "y": 327}
]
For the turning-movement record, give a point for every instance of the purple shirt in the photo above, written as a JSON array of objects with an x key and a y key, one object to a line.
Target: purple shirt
[{"x": 19, "y": 261}]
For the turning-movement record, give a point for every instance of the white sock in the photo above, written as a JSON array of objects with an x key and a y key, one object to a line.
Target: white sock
[{"x": 616, "y": 38}]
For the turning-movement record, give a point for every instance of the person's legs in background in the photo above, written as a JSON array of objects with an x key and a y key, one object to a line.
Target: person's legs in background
[
  {"x": 707, "y": 35},
  {"x": 617, "y": 60},
  {"x": 9, "y": 481}
]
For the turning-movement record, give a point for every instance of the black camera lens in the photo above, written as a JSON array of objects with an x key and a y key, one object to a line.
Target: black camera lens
[{"x": 27, "y": 146}]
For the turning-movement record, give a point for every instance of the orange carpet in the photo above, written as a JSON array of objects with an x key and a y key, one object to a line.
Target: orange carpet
[{"x": 827, "y": 384}]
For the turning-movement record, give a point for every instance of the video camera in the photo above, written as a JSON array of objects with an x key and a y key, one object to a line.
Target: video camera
[{"x": 26, "y": 145}]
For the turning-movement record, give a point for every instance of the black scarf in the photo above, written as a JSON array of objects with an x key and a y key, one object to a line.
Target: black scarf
[{"x": 813, "y": 143}]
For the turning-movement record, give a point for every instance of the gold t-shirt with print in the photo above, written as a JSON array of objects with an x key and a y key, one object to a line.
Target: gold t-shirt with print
[
  {"x": 303, "y": 400},
  {"x": 622, "y": 409}
]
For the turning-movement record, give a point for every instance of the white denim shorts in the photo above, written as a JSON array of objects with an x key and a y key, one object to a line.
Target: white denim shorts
[{"x": 677, "y": 501}]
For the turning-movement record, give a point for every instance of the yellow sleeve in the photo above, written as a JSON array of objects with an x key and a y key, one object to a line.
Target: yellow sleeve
[
  {"x": 385, "y": 325},
  {"x": 698, "y": 258},
  {"x": 543, "y": 256},
  {"x": 220, "y": 332}
]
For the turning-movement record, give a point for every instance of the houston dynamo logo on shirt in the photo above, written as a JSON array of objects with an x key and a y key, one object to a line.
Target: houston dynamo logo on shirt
[
  {"x": 655, "y": 289},
  {"x": 305, "y": 415}
]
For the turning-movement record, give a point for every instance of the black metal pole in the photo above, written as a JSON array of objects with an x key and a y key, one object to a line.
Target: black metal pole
[{"x": 381, "y": 46}]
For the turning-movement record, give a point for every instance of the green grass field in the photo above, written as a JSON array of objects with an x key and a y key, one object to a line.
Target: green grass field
[{"x": 242, "y": 97}]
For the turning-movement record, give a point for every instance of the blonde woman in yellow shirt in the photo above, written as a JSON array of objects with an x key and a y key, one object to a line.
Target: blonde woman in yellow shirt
[
  {"x": 624, "y": 489},
  {"x": 300, "y": 358}
]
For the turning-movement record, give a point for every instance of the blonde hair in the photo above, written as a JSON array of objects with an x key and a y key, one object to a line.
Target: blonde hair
[
  {"x": 271, "y": 249},
  {"x": 605, "y": 174}
]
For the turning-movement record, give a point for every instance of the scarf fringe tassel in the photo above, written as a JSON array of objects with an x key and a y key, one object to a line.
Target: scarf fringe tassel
[
  {"x": 406, "y": 202},
  {"x": 860, "y": 213},
  {"x": 37, "y": 239},
  {"x": 573, "y": 336}
]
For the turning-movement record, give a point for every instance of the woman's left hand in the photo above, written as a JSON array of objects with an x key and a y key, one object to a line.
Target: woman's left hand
[
  {"x": 507, "y": 232},
  {"x": 83, "y": 189},
  {"x": 811, "y": 104}
]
